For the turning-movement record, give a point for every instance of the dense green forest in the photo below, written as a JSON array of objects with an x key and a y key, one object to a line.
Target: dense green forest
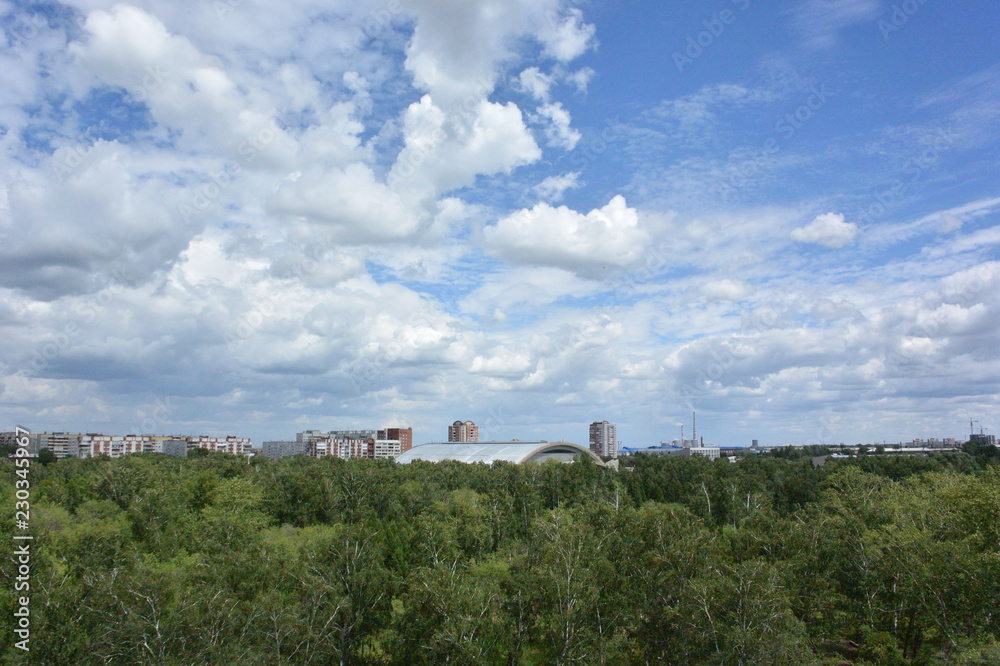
[{"x": 156, "y": 560}]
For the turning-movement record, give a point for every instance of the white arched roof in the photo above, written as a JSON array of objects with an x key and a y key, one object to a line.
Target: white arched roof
[{"x": 489, "y": 452}]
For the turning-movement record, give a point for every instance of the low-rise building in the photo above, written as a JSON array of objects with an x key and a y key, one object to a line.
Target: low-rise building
[
  {"x": 363, "y": 443},
  {"x": 230, "y": 444},
  {"x": 711, "y": 452},
  {"x": 386, "y": 449}
]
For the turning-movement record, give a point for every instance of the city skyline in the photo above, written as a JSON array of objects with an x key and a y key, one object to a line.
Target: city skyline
[
  {"x": 238, "y": 217},
  {"x": 604, "y": 432}
]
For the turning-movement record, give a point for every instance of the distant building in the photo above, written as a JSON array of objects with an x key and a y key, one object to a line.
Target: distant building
[
  {"x": 463, "y": 431},
  {"x": 283, "y": 449},
  {"x": 116, "y": 446},
  {"x": 662, "y": 450},
  {"x": 404, "y": 435},
  {"x": 345, "y": 444},
  {"x": 62, "y": 444},
  {"x": 310, "y": 436},
  {"x": 604, "y": 439},
  {"x": 11, "y": 439},
  {"x": 340, "y": 445},
  {"x": 983, "y": 439},
  {"x": 711, "y": 452},
  {"x": 233, "y": 445},
  {"x": 386, "y": 449},
  {"x": 70, "y": 445}
]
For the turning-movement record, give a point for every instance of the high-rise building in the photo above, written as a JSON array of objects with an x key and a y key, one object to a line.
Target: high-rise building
[
  {"x": 404, "y": 435},
  {"x": 983, "y": 439},
  {"x": 463, "y": 431},
  {"x": 604, "y": 439}
]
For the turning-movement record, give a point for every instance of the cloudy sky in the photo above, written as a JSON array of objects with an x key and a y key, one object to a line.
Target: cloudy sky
[{"x": 254, "y": 218}]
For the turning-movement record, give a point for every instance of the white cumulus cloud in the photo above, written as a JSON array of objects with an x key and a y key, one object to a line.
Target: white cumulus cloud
[
  {"x": 726, "y": 290},
  {"x": 554, "y": 187},
  {"x": 589, "y": 245},
  {"x": 829, "y": 230},
  {"x": 535, "y": 82},
  {"x": 568, "y": 38},
  {"x": 559, "y": 133}
]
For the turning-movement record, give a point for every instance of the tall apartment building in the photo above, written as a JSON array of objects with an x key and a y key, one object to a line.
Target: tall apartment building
[
  {"x": 404, "y": 435},
  {"x": 463, "y": 431},
  {"x": 604, "y": 439},
  {"x": 62, "y": 444}
]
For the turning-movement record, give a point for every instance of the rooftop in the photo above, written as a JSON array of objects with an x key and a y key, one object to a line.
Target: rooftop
[{"x": 489, "y": 452}]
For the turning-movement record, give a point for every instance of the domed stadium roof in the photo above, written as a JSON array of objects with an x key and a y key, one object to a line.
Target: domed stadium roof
[{"x": 489, "y": 452}]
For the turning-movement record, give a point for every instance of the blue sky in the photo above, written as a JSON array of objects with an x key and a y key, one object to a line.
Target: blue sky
[{"x": 240, "y": 218}]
